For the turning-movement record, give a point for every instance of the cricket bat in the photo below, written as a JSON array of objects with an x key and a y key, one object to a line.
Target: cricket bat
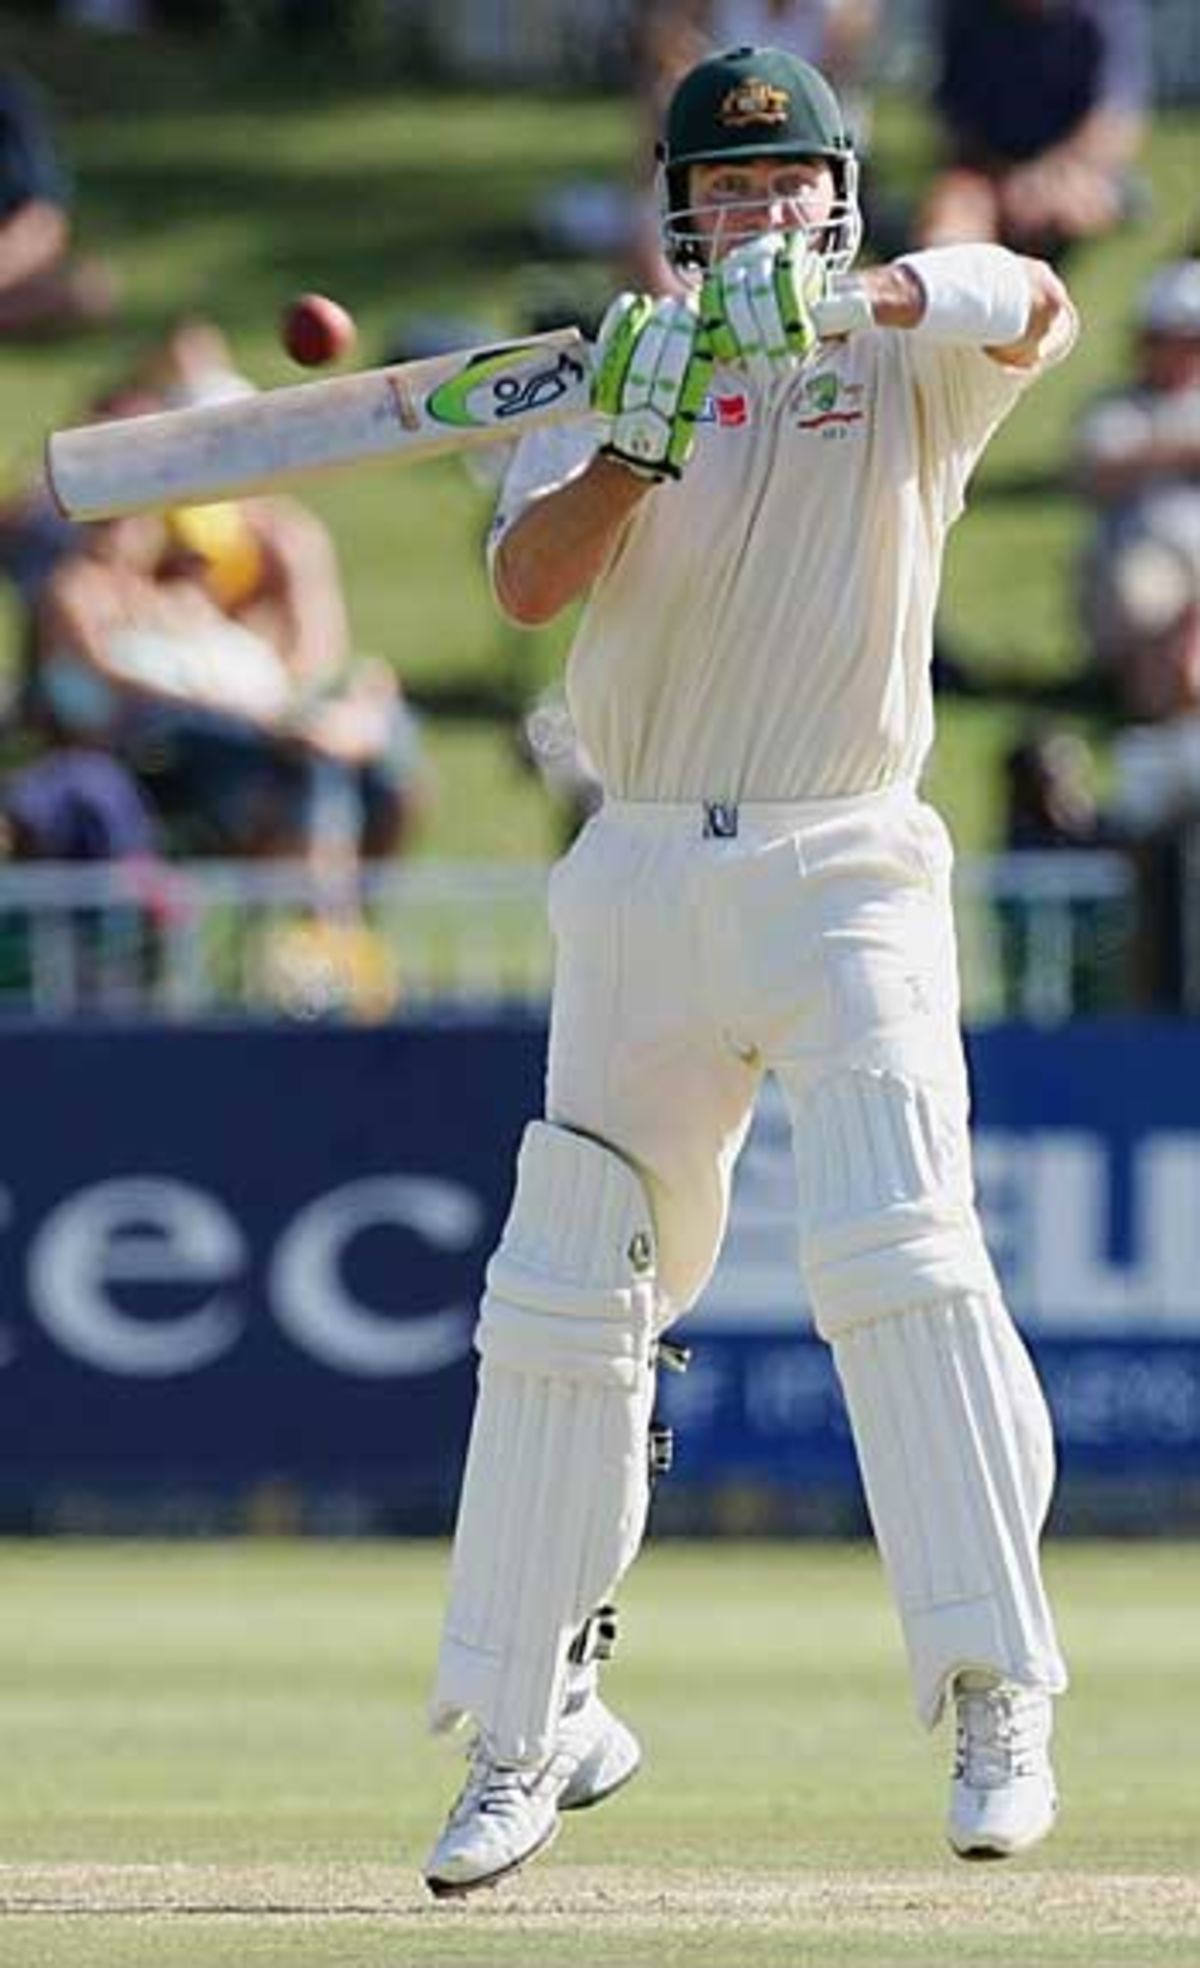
[{"x": 408, "y": 410}]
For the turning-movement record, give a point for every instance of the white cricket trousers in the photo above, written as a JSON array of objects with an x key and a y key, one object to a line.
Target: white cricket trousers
[{"x": 698, "y": 948}]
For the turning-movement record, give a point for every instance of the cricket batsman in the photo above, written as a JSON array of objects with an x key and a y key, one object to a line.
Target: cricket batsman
[{"x": 758, "y": 517}]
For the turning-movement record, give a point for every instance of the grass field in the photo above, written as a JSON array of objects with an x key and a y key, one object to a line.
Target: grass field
[
  {"x": 221, "y": 182},
  {"x": 213, "y": 1757}
]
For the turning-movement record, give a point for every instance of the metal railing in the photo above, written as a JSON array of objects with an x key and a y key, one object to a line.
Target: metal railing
[
  {"x": 1046, "y": 935},
  {"x": 1042, "y": 936}
]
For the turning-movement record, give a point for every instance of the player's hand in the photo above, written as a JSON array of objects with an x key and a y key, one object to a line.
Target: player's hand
[
  {"x": 757, "y": 304},
  {"x": 650, "y": 379}
]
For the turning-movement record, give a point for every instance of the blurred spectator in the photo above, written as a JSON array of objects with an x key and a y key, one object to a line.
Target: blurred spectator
[
  {"x": 1042, "y": 105},
  {"x": 75, "y": 805},
  {"x": 1156, "y": 755},
  {"x": 1137, "y": 458},
  {"x": 328, "y": 965},
  {"x": 675, "y": 34},
  {"x": 270, "y": 566},
  {"x": 1051, "y": 803},
  {"x": 135, "y": 651},
  {"x": 44, "y": 289},
  {"x": 191, "y": 364},
  {"x": 211, "y": 646},
  {"x": 1051, "y": 792},
  {"x": 1155, "y": 809},
  {"x": 1152, "y": 810},
  {"x": 113, "y": 16},
  {"x": 130, "y": 654},
  {"x": 34, "y": 532},
  {"x": 78, "y": 805}
]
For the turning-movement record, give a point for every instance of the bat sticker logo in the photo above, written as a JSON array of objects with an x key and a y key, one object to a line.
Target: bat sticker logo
[
  {"x": 509, "y": 392},
  {"x": 545, "y": 386}
]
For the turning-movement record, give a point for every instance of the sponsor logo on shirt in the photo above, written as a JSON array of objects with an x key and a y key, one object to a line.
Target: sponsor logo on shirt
[
  {"x": 728, "y": 412},
  {"x": 830, "y": 405}
]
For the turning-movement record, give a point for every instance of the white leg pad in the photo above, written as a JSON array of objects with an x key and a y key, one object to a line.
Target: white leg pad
[
  {"x": 555, "y": 1492},
  {"x": 886, "y": 1197},
  {"x": 950, "y": 1425},
  {"x": 957, "y": 1460}
]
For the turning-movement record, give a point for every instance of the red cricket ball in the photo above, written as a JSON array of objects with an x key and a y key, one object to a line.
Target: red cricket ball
[{"x": 315, "y": 330}]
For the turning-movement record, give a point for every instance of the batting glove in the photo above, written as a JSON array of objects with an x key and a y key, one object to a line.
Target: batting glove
[
  {"x": 650, "y": 380},
  {"x": 757, "y": 304}
]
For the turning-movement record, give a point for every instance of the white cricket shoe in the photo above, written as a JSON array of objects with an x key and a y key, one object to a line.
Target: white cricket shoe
[
  {"x": 504, "y": 1815},
  {"x": 1003, "y": 1797},
  {"x": 507, "y": 1813},
  {"x": 601, "y": 1750}
]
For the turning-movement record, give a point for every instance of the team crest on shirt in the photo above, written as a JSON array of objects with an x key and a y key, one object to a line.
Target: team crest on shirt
[
  {"x": 754, "y": 101},
  {"x": 830, "y": 405}
]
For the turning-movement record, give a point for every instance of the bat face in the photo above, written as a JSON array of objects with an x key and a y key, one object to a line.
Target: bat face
[{"x": 410, "y": 410}]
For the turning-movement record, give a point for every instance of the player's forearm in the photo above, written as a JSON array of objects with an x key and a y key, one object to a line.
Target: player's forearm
[
  {"x": 562, "y": 543},
  {"x": 896, "y": 296},
  {"x": 980, "y": 296}
]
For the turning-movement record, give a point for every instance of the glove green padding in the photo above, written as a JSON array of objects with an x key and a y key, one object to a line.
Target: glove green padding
[
  {"x": 650, "y": 380},
  {"x": 615, "y": 345},
  {"x": 757, "y": 304}
]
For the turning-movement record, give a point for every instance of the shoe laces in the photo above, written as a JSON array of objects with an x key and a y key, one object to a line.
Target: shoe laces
[
  {"x": 492, "y": 1787},
  {"x": 496, "y": 1787},
  {"x": 1001, "y": 1734}
]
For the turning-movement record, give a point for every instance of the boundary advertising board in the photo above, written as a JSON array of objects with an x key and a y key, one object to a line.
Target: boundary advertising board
[{"x": 243, "y": 1263}]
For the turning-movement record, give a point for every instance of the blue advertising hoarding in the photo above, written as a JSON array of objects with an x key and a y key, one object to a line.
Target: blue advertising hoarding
[
  {"x": 238, "y": 1258},
  {"x": 237, "y": 1255}
]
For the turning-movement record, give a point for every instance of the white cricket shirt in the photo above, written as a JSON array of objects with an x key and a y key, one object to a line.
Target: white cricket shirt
[{"x": 764, "y": 628}]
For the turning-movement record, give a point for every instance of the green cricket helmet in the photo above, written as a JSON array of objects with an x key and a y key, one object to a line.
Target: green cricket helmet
[{"x": 755, "y": 102}]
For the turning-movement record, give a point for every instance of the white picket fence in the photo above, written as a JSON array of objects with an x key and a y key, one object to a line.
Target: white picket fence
[{"x": 1042, "y": 936}]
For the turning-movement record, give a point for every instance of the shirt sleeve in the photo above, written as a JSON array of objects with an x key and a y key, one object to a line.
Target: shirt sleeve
[{"x": 963, "y": 396}]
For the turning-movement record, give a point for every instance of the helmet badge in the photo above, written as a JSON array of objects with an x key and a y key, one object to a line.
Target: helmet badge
[{"x": 754, "y": 101}]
